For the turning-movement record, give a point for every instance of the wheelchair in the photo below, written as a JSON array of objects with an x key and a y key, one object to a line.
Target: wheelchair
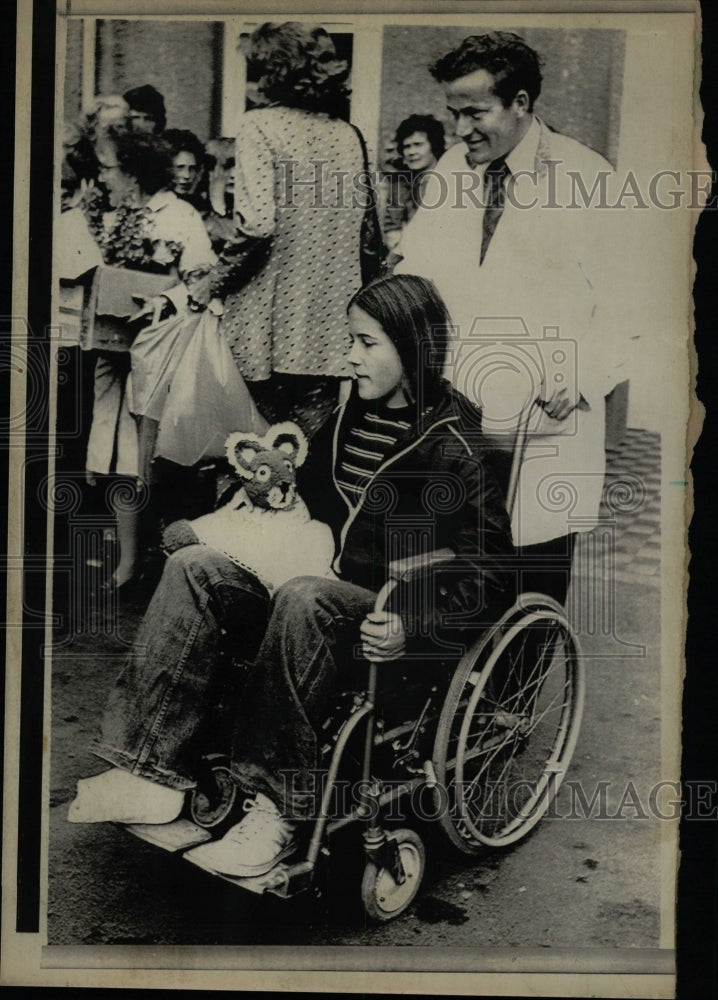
[{"x": 489, "y": 742}]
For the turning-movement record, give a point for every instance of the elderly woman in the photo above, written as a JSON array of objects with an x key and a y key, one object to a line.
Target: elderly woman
[
  {"x": 107, "y": 114},
  {"x": 148, "y": 228},
  {"x": 296, "y": 256}
]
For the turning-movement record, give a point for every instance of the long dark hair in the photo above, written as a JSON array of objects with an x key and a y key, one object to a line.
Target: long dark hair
[{"x": 413, "y": 315}]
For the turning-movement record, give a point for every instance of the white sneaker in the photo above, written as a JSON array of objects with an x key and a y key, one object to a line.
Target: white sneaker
[
  {"x": 251, "y": 847},
  {"x": 120, "y": 797}
]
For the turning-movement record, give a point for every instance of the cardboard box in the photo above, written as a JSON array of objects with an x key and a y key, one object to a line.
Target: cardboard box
[{"x": 108, "y": 304}]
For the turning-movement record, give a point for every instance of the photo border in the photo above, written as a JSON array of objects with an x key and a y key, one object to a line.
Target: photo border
[{"x": 31, "y": 525}]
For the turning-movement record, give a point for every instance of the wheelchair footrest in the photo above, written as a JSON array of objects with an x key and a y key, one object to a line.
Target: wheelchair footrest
[
  {"x": 179, "y": 835},
  {"x": 283, "y": 880}
]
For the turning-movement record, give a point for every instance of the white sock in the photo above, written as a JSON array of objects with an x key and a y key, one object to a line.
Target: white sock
[{"x": 120, "y": 797}]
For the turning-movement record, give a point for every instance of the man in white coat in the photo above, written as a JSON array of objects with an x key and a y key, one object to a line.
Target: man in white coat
[{"x": 510, "y": 234}]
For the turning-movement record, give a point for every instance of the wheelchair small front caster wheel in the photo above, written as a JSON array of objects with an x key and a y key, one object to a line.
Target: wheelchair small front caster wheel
[
  {"x": 213, "y": 799},
  {"x": 382, "y": 896}
]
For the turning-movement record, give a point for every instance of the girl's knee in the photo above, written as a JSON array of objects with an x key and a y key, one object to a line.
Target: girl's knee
[
  {"x": 302, "y": 590},
  {"x": 186, "y": 561}
]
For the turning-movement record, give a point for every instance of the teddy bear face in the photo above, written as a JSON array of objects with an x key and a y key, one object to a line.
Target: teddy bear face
[
  {"x": 273, "y": 483},
  {"x": 268, "y": 464}
]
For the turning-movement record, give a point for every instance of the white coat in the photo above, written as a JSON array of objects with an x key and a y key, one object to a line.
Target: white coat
[{"x": 532, "y": 315}]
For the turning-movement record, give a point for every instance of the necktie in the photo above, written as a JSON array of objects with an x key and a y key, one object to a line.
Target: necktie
[{"x": 494, "y": 198}]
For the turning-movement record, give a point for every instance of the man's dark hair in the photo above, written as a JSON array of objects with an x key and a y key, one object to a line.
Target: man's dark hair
[
  {"x": 181, "y": 140},
  {"x": 412, "y": 314},
  {"x": 430, "y": 126},
  {"x": 150, "y": 102},
  {"x": 504, "y": 54},
  {"x": 145, "y": 157}
]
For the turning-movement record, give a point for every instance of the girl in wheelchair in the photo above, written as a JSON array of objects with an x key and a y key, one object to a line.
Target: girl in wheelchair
[{"x": 402, "y": 470}]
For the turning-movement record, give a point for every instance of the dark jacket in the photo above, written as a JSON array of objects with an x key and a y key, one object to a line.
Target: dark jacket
[{"x": 435, "y": 490}]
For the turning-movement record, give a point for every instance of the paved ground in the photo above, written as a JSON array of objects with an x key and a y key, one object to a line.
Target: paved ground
[{"x": 584, "y": 881}]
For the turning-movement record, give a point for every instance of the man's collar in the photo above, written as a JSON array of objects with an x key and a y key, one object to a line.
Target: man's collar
[{"x": 523, "y": 156}]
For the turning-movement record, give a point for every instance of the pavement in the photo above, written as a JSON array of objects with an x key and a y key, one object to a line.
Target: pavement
[{"x": 585, "y": 877}]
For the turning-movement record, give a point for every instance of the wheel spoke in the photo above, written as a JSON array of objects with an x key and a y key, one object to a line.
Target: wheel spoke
[{"x": 508, "y": 728}]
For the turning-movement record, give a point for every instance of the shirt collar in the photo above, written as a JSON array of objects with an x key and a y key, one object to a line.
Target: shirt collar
[
  {"x": 523, "y": 156},
  {"x": 160, "y": 200}
]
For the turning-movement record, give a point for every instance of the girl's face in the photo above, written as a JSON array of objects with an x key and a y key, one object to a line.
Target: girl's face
[{"x": 377, "y": 366}]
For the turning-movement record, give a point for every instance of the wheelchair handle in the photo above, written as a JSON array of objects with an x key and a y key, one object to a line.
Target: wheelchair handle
[
  {"x": 405, "y": 570},
  {"x": 519, "y": 450}
]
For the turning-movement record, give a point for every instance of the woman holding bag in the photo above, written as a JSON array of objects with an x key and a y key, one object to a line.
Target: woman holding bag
[
  {"x": 300, "y": 201},
  {"x": 147, "y": 229}
]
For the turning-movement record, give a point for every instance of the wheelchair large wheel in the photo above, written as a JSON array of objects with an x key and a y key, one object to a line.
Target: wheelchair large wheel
[
  {"x": 509, "y": 726},
  {"x": 383, "y": 898}
]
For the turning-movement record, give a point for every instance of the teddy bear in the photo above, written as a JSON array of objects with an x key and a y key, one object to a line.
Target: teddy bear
[{"x": 265, "y": 526}]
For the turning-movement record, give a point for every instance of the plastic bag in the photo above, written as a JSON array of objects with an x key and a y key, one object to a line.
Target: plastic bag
[
  {"x": 156, "y": 353},
  {"x": 207, "y": 400}
]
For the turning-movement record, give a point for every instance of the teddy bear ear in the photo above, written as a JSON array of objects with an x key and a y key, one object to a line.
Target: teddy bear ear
[
  {"x": 241, "y": 450},
  {"x": 289, "y": 438}
]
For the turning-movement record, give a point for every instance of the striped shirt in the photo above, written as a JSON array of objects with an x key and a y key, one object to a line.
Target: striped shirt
[{"x": 369, "y": 442}]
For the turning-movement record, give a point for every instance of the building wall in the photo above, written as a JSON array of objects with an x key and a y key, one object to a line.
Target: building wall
[
  {"x": 182, "y": 59},
  {"x": 73, "y": 70}
]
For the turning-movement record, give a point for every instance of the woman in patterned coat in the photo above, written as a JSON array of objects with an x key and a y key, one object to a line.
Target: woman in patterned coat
[{"x": 295, "y": 261}]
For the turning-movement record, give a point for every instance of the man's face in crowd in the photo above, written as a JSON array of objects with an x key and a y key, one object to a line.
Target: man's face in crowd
[
  {"x": 416, "y": 151},
  {"x": 142, "y": 122},
  {"x": 489, "y": 129}
]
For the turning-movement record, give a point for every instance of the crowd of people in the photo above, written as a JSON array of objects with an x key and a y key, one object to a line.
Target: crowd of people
[
  {"x": 299, "y": 301},
  {"x": 157, "y": 199},
  {"x": 264, "y": 282}
]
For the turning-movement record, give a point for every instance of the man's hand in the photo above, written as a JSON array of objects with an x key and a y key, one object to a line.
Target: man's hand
[
  {"x": 383, "y": 637},
  {"x": 559, "y": 405},
  {"x": 153, "y": 308}
]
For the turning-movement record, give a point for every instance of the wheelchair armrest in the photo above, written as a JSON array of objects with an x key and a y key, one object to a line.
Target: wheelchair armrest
[{"x": 403, "y": 570}]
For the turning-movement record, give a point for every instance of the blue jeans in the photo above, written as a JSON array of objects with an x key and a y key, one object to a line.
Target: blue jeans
[{"x": 303, "y": 638}]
